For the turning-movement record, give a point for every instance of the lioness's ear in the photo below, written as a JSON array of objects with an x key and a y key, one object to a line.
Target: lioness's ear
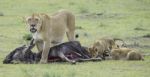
[{"x": 44, "y": 15}]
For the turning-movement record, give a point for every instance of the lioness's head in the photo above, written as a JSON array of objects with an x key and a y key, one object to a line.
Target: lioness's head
[{"x": 34, "y": 23}]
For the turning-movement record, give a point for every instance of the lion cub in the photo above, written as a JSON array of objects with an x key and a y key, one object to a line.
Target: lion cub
[
  {"x": 102, "y": 47},
  {"x": 48, "y": 31},
  {"x": 125, "y": 54}
]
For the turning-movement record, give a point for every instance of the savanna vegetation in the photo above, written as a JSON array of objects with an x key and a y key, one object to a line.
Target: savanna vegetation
[{"x": 125, "y": 19}]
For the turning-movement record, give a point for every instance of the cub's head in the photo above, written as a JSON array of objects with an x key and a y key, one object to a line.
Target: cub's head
[
  {"x": 34, "y": 23},
  {"x": 93, "y": 52},
  {"x": 98, "y": 49},
  {"x": 111, "y": 43}
]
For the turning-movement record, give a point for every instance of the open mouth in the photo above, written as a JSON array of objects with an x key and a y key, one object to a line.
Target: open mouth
[
  {"x": 106, "y": 54},
  {"x": 33, "y": 30}
]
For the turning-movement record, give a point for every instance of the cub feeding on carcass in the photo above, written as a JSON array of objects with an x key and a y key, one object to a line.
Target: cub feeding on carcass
[{"x": 102, "y": 47}]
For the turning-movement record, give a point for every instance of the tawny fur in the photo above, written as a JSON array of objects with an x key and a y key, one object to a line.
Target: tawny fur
[
  {"x": 51, "y": 29},
  {"x": 126, "y": 54},
  {"x": 101, "y": 46},
  {"x": 134, "y": 55}
]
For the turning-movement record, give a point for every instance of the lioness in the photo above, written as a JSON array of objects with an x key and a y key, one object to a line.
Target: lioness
[
  {"x": 48, "y": 31},
  {"x": 126, "y": 54}
]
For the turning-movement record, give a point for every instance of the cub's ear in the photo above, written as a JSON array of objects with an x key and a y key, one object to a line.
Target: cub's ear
[
  {"x": 97, "y": 43},
  {"x": 90, "y": 49},
  {"x": 95, "y": 49}
]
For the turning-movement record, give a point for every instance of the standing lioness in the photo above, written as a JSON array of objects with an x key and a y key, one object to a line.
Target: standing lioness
[{"x": 48, "y": 31}]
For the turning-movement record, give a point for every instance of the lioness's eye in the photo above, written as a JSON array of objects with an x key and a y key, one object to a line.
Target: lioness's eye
[
  {"x": 29, "y": 19},
  {"x": 36, "y": 20}
]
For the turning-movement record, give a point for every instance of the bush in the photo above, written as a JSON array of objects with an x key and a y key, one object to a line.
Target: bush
[{"x": 27, "y": 37}]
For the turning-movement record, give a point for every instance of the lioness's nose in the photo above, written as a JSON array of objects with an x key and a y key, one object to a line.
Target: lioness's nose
[{"x": 33, "y": 25}]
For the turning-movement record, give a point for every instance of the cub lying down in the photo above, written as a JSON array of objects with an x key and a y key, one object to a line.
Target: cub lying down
[
  {"x": 69, "y": 51},
  {"x": 126, "y": 54}
]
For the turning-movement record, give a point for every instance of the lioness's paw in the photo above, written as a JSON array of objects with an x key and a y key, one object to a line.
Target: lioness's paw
[{"x": 43, "y": 62}]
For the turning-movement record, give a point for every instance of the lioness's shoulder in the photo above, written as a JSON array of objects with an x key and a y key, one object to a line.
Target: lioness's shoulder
[
  {"x": 43, "y": 15},
  {"x": 62, "y": 12}
]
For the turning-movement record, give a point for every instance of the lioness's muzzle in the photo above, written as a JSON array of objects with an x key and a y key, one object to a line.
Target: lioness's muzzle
[{"x": 33, "y": 30}]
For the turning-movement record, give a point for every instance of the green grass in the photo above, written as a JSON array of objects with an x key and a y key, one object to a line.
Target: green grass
[
  {"x": 88, "y": 69},
  {"x": 118, "y": 18}
]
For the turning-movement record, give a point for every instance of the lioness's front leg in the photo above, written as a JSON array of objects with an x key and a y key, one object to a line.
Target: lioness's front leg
[
  {"x": 39, "y": 44},
  {"x": 71, "y": 35},
  {"x": 45, "y": 52}
]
